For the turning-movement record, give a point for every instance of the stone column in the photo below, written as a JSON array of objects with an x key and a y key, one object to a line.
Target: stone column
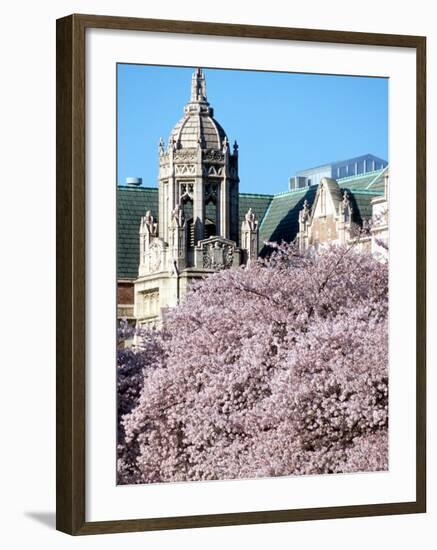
[{"x": 224, "y": 208}]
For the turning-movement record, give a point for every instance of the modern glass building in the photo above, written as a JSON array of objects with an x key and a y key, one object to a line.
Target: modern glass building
[{"x": 336, "y": 170}]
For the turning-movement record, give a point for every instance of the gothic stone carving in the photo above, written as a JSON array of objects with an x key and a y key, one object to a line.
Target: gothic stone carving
[
  {"x": 183, "y": 169},
  {"x": 250, "y": 221},
  {"x": 187, "y": 190},
  {"x": 149, "y": 225},
  {"x": 177, "y": 216},
  {"x": 218, "y": 254},
  {"x": 213, "y": 156},
  {"x": 212, "y": 170},
  {"x": 184, "y": 155},
  {"x": 249, "y": 235},
  {"x": 155, "y": 254},
  {"x": 211, "y": 193}
]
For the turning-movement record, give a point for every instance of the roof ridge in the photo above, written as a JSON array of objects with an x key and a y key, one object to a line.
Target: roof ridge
[
  {"x": 376, "y": 177},
  {"x": 363, "y": 191},
  {"x": 292, "y": 191},
  {"x": 139, "y": 188},
  {"x": 256, "y": 195},
  {"x": 147, "y": 188}
]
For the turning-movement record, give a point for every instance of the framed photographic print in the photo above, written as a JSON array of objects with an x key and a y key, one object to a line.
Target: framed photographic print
[{"x": 240, "y": 274}]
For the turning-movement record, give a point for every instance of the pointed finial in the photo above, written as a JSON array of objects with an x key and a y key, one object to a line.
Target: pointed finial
[
  {"x": 198, "y": 87},
  {"x": 178, "y": 215},
  {"x": 345, "y": 199},
  {"x": 304, "y": 213},
  {"x": 149, "y": 225},
  {"x": 250, "y": 221},
  {"x": 235, "y": 147}
]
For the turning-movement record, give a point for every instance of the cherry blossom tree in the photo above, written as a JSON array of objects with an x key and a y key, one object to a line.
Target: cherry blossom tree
[
  {"x": 278, "y": 368},
  {"x": 133, "y": 365}
]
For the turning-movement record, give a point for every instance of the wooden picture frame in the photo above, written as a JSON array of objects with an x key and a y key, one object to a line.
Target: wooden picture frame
[{"x": 71, "y": 254}]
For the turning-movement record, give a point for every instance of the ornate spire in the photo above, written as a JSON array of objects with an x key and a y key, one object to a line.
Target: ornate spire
[
  {"x": 250, "y": 222},
  {"x": 198, "y": 87},
  {"x": 178, "y": 216},
  {"x": 148, "y": 225},
  {"x": 161, "y": 146},
  {"x": 304, "y": 213}
]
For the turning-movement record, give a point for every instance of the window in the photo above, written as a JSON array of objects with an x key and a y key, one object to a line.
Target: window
[{"x": 187, "y": 204}]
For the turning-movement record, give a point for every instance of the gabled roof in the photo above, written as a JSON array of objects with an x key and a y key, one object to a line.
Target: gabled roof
[
  {"x": 281, "y": 221},
  {"x": 334, "y": 191}
]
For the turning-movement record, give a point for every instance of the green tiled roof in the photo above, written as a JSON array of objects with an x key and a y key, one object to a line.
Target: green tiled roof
[
  {"x": 258, "y": 203},
  {"x": 278, "y": 214},
  {"x": 371, "y": 181},
  {"x": 132, "y": 203},
  {"x": 362, "y": 189},
  {"x": 361, "y": 204},
  {"x": 282, "y": 218}
]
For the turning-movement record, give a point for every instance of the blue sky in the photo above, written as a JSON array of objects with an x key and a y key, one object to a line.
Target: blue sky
[{"x": 283, "y": 122}]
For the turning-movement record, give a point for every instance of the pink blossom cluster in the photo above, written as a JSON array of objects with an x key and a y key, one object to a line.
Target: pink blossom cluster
[{"x": 279, "y": 368}]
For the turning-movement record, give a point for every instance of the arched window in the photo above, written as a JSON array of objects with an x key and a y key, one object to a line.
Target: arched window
[
  {"x": 187, "y": 205},
  {"x": 211, "y": 206}
]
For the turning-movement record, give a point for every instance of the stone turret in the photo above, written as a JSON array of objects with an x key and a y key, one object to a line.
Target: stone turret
[
  {"x": 199, "y": 173},
  {"x": 198, "y": 220}
]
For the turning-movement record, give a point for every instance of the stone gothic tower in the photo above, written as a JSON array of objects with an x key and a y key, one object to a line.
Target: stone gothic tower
[
  {"x": 198, "y": 173},
  {"x": 198, "y": 230}
]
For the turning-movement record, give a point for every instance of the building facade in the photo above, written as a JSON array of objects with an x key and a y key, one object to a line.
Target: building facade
[
  {"x": 196, "y": 222},
  {"x": 334, "y": 217}
]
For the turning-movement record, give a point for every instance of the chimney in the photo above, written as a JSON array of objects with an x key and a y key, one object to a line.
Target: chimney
[{"x": 133, "y": 182}]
